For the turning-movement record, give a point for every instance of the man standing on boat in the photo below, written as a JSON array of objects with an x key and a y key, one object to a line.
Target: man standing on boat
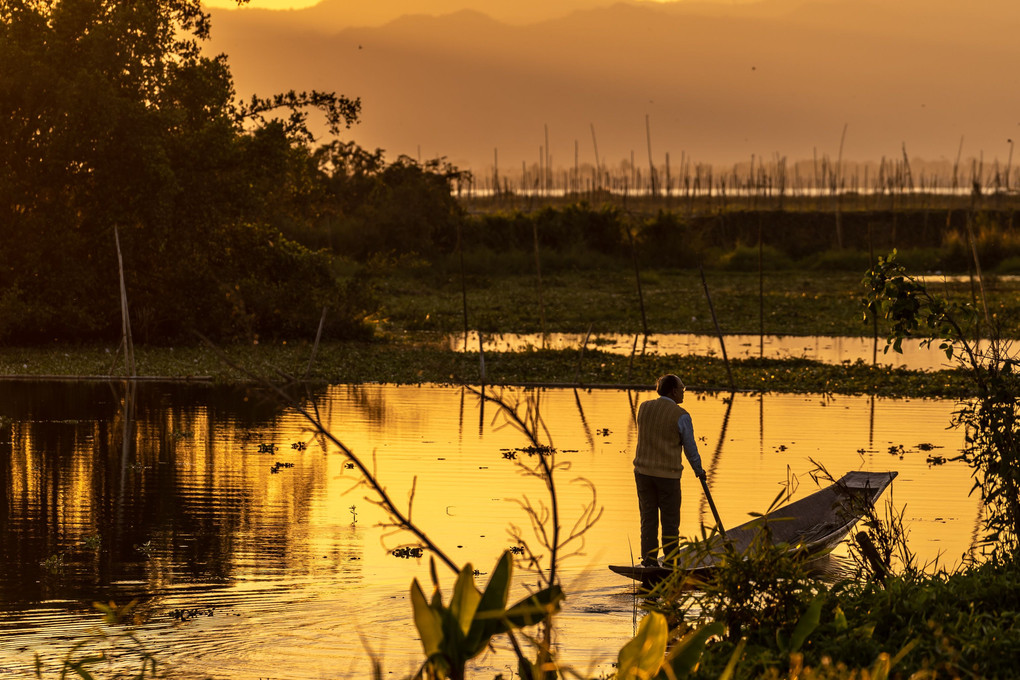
[{"x": 665, "y": 430}]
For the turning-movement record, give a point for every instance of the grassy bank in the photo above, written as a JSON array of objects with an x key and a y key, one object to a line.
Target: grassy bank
[
  {"x": 407, "y": 363},
  {"x": 420, "y": 303},
  {"x": 821, "y": 302}
]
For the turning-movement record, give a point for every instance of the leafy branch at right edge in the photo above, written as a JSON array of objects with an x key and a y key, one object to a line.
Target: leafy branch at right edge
[{"x": 991, "y": 419}]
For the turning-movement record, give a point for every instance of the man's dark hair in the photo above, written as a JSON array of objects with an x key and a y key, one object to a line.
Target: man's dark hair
[{"x": 666, "y": 384}]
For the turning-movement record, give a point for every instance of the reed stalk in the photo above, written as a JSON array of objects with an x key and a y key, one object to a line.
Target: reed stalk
[
  {"x": 761, "y": 292},
  {"x": 837, "y": 190},
  {"x": 481, "y": 359},
  {"x": 548, "y": 160},
  {"x": 318, "y": 338},
  {"x": 128, "y": 341},
  {"x": 977, "y": 261},
  {"x": 651, "y": 163},
  {"x": 463, "y": 284},
  {"x": 580, "y": 355},
  {"x": 495, "y": 170}
]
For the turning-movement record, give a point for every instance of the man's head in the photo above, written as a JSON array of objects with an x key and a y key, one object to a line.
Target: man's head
[{"x": 671, "y": 386}]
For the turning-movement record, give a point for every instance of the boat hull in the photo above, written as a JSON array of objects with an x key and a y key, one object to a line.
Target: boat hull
[{"x": 813, "y": 526}]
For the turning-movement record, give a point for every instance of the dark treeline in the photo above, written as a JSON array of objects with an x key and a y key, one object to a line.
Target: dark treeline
[
  {"x": 115, "y": 126},
  {"x": 712, "y": 238},
  {"x": 581, "y": 235},
  {"x": 412, "y": 216}
]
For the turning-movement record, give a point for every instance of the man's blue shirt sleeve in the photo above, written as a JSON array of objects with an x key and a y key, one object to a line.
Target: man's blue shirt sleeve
[{"x": 686, "y": 427}]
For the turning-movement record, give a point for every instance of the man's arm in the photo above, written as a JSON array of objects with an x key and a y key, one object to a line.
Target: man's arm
[{"x": 690, "y": 446}]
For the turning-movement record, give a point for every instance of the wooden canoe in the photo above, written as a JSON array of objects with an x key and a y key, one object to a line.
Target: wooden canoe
[{"x": 812, "y": 525}]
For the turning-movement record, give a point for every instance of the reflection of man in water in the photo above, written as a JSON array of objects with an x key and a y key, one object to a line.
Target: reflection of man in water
[{"x": 664, "y": 430}]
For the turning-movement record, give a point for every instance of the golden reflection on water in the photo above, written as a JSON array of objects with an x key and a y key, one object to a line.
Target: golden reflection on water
[
  {"x": 751, "y": 446},
  {"x": 826, "y": 349},
  {"x": 296, "y": 565}
]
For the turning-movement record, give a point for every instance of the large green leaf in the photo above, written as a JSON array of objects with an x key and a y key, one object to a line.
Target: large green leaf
[
  {"x": 536, "y": 607},
  {"x": 686, "y": 653},
  {"x": 490, "y": 617},
  {"x": 840, "y": 619},
  {"x": 465, "y": 599},
  {"x": 427, "y": 620},
  {"x": 731, "y": 665},
  {"x": 808, "y": 623},
  {"x": 498, "y": 588},
  {"x": 642, "y": 657}
]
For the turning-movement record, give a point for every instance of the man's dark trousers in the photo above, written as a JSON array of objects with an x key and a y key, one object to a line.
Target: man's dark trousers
[{"x": 658, "y": 502}]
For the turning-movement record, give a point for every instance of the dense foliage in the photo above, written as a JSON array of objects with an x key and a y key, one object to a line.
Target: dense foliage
[
  {"x": 361, "y": 207},
  {"x": 112, "y": 118},
  {"x": 961, "y": 624},
  {"x": 990, "y": 421},
  {"x": 580, "y": 235}
]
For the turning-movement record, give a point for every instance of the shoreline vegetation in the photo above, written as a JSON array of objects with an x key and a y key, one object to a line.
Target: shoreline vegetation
[
  {"x": 421, "y": 304},
  {"x": 413, "y": 363}
]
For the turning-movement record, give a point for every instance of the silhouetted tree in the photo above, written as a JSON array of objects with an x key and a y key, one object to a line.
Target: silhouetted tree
[{"x": 111, "y": 116}]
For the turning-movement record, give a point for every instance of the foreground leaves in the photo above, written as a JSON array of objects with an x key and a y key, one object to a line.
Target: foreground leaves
[{"x": 452, "y": 635}]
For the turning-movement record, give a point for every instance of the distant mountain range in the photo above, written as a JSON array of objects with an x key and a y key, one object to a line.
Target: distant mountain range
[
  {"x": 718, "y": 82},
  {"x": 333, "y": 15}
]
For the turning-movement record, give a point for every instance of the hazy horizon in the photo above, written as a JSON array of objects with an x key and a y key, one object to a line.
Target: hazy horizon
[{"x": 719, "y": 81}]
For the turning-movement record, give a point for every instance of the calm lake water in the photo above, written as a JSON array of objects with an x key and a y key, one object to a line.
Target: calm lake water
[
  {"x": 168, "y": 494},
  {"x": 829, "y": 350}
]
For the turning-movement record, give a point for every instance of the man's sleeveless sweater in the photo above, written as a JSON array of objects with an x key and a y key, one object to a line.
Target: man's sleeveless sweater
[{"x": 659, "y": 451}]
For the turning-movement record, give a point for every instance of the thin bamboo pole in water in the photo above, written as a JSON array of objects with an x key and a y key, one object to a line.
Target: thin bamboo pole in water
[
  {"x": 580, "y": 355},
  {"x": 637, "y": 278},
  {"x": 129, "y": 345},
  {"x": 837, "y": 190},
  {"x": 718, "y": 330},
  {"x": 651, "y": 164},
  {"x": 315, "y": 347},
  {"x": 538, "y": 274}
]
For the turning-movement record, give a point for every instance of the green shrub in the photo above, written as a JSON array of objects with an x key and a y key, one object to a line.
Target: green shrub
[
  {"x": 667, "y": 240},
  {"x": 574, "y": 228},
  {"x": 745, "y": 259},
  {"x": 846, "y": 259},
  {"x": 404, "y": 207},
  {"x": 1011, "y": 265},
  {"x": 993, "y": 242},
  {"x": 920, "y": 259},
  {"x": 483, "y": 261}
]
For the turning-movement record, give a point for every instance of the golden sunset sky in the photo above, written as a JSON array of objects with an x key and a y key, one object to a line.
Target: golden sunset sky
[
  {"x": 302, "y": 4},
  {"x": 718, "y": 81},
  {"x": 265, "y": 4}
]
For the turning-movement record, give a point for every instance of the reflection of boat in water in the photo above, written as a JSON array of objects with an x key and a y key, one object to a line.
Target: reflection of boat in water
[{"x": 811, "y": 526}]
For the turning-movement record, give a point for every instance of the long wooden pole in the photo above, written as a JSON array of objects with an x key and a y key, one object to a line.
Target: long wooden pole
[{"x": 711, "y": 504}]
